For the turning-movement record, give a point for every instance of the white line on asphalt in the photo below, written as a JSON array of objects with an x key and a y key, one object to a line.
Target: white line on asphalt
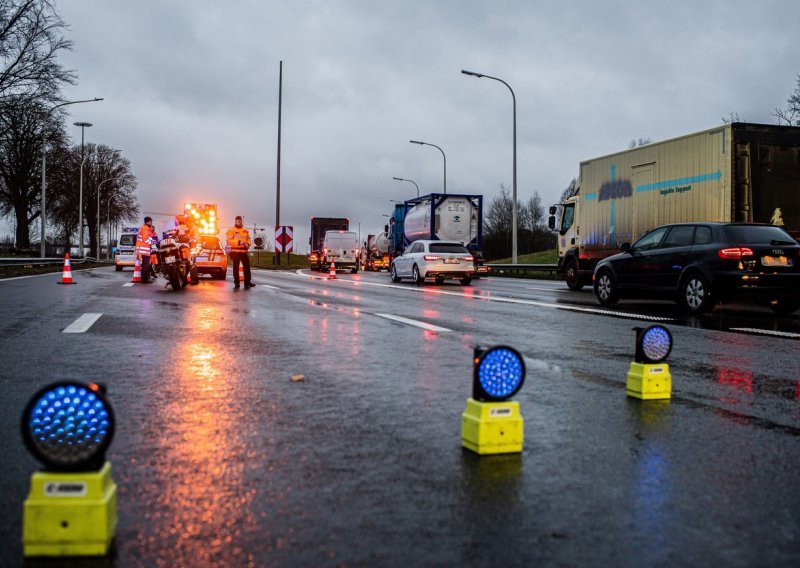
[
  {"x": 757, "y": 331},
  {"x": 547, "y": 289},
  {"x": 267, "y": 286},
  {"x": 127, "y": 284},
  {"x": 422, "y": 324},
  {"x": 82, "y": 324},
  {"x": 493, "y": 298}
]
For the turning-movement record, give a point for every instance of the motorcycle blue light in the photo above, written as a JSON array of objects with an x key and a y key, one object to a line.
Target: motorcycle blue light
[
  {"x": 68, "y": 426},
  {"x": 653, "y": 344},
  {"x": 499, "y": 373}
]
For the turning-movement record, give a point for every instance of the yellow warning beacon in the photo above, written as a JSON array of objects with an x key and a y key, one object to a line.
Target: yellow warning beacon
[
  {"x": 491, "y": 423},
  {"x": 71, "y": 509},
  {"x": 648, "y": 377}
]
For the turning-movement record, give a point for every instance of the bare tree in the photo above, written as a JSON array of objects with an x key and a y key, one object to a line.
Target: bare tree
[
  {"x": 570, "y": 190},
  {"x": 791, "y": 114},
  {"x": 732, "y": 117},
  {"x": 30, "y": 40},
  {"x": 640, "y": 142}
]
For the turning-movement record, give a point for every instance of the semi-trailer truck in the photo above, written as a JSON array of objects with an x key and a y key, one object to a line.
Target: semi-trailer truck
[
  {"x": 375, "y": 252},
  {"x": 320, "y": 226},
  {"x": 735, "y": 172}
]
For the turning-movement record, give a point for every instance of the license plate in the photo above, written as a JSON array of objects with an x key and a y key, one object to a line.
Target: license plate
[
  {"x": 451, "y": 261},
  {"x": 202, "y": 258},
  {"x": 776, "y": 261},
  {"x": 169, "y": 259}
]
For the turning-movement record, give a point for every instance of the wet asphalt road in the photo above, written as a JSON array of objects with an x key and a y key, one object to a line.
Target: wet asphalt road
[{"x": 222, "y": 459}]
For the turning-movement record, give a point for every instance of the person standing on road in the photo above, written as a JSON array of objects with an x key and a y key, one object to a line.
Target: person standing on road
[
  {"x": 238, "y": 239},
  {"x": 146, "y": 236}
]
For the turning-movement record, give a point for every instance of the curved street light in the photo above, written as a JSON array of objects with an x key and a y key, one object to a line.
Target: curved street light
[
  {"x": 44, "y": 161},
  {"x": 410, "y": 181},
  {"x": 514, "y": 185},
  {"x": 97, "y": 154},
  {"x": 84, "y": 126},
  {"x": 443, "y": 156}
]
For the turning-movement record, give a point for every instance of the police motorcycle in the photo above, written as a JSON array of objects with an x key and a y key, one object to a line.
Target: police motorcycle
[{"x": 176, "y": 260}]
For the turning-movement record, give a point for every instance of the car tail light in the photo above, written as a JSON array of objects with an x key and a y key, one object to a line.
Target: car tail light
[
  {"x": 735, "y": 253},
  {"x": 468, "y": 258},
  {"x": 430, "y": 257}
]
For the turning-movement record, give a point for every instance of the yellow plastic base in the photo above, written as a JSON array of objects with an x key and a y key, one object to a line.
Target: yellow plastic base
[
  {"x": 492, "y": 427},
  {"x": 649, "y": 381},
  {"x": 70, "y": 514}
]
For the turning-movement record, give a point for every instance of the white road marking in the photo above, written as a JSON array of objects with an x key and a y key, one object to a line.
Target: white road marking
[
  {"x": 757, "y": 331},
  {"x": 267, "y": 286},
  {"x": 127, "y": 284},
  {"x": 547, "y": 289},
  {"x": 83, "y": 323},
  {"x": 422, "y": 324}
]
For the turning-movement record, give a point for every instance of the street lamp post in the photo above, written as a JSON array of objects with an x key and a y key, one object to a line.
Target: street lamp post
[
  {"x": 108, "y": 222},
  {"x": 409, "y": 180},
  {"x": 514, "y": 185},
  {"x": 83, "y": 126},
  {"x": 44, "y": 162},
  {"x": 96, "y": 153},
  {"x": 443, "y": 156}
]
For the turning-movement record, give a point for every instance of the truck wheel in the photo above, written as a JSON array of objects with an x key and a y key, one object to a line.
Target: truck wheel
[
  {"x": 393, "y": 274},
  {"x": 416, "y": 276},
  {"x": 784, "y": 307},
  {"x": 571, "y": 275},
  {"x": 466, "y": 281},
  {"x": 606, "y": 289},
  {"x": 695, "y": 294}
]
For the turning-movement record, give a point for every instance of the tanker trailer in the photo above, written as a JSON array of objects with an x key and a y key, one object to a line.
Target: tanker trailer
[
  {"x": 375, "y": 254},
  {"x": 447, "y": 217}
]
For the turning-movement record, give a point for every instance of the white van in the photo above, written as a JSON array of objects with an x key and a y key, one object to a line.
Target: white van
[
  {"x": 341, "y": 248},
  {"x": 126, "y": 248}
]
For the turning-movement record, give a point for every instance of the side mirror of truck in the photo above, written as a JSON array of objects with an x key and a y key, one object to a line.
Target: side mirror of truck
[
  {"x": 551, "y": 221},
  {"x": 386, "y": 228},
  {"x": 553, "y": 209},
  {"x": 625, "y": 247}
]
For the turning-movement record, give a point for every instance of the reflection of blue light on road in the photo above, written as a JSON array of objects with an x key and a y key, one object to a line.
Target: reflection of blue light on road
[{"x": 652, "y": 493}]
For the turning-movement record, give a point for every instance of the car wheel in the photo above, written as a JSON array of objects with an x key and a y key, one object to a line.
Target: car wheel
[
  {"x": 571, "y": 275},
  {"x": 606, "y": 289},
  {"x": 466, "y": 281},
  {"x": 695, "y": 294},
  {"x": 393, "y": 274},
  {"x": 440, "y": 280},
  {"x": 416, "y": 276},
  {"x": 784, "y": 307},
  {"x": 118, "y": 268}
]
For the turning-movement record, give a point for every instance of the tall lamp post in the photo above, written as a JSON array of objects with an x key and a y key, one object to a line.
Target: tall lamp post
[
  {"x": 108, "y": 212},
  {"x": 44, "y": 162},
  {"x": 514, "y": 190},
  {"x": 443, "y": 156},
  {"x": 409, "y": 180},
  {"x": 84, "y": 126},
  {"x": 98, "y": 197}
]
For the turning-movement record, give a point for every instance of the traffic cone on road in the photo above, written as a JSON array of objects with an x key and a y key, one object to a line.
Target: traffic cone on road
[
  {"x": 241, "y": 272},
  {"x": 332, "y": 273},
  {"x": 66, "y": 276},
  {"x": 137, "y": 270}
]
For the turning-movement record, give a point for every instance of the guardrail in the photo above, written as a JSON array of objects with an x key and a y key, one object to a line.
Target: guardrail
[
  {"x": 500, "y": 268},
  {"x": 38, "y": 261}
]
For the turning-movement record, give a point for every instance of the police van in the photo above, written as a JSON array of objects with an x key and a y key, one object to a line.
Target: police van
[{"x": 126, "y": 248}]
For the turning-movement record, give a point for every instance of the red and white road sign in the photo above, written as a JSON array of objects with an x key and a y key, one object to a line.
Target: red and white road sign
[{"x": 284, "y": 238}]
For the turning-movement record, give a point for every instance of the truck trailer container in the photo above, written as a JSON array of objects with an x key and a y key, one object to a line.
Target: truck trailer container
[
  {"x": 320, "y": 226},
  {"x": 736, "y": 172}
]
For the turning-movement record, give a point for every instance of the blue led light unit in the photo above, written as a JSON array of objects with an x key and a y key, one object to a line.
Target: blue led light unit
[
  {"x": 68, "y": 426},
  {"x": 498, "y": 373},
  {"x": 653, "y": 344}
]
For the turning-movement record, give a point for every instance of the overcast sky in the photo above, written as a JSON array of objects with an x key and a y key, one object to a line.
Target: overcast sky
[{"x": 191, "y": 93}]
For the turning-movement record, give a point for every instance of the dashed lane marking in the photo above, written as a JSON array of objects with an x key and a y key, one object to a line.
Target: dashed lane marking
[
  {"x": 82, "y": 324},
  {"x": 415, "y": 323},
  {"x": 769, "y": 332},
  {"x": 127, "y": 284}
]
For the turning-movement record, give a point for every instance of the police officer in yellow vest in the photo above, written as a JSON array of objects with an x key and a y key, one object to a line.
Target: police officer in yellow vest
[
  {"x": 146, "y": 236},
  {"x": 238, "y": 239}
]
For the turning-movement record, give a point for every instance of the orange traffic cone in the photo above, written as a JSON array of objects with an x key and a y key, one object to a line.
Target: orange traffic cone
[
  {"x": 66, "y": 276},
  {"x": 332, "y": 273},
  {"x": 241, "y": 272},
  {"x": 137, "y": 270}
]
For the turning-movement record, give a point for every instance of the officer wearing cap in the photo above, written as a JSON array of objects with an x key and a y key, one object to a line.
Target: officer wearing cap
[
  {"x": 146, "y": 236},
  {"x": 238, "y": 239}
]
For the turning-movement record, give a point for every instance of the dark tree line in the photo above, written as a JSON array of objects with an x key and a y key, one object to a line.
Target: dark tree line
[
  {"x": 533, "y": 234},
  {"x": 31, "y": 37}
]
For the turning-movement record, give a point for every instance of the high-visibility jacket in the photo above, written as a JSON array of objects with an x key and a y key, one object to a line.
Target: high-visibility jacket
[
  {"x": 238, "y": 238},
  {"x": 147, "y": 235}
]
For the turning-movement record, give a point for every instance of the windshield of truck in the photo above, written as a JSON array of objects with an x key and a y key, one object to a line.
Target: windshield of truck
[
  {"x": 127, "y": 240},
  {"x": 567, "y": 217}
]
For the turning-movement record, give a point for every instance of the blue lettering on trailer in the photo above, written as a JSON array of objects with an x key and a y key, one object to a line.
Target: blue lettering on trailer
[{"x": 680, "y": 181}]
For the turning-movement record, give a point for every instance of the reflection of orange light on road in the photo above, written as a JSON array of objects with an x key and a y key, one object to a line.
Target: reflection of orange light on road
[
  {"x": 741, "y": 380},
  {"x": 430, "y": 313}
]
